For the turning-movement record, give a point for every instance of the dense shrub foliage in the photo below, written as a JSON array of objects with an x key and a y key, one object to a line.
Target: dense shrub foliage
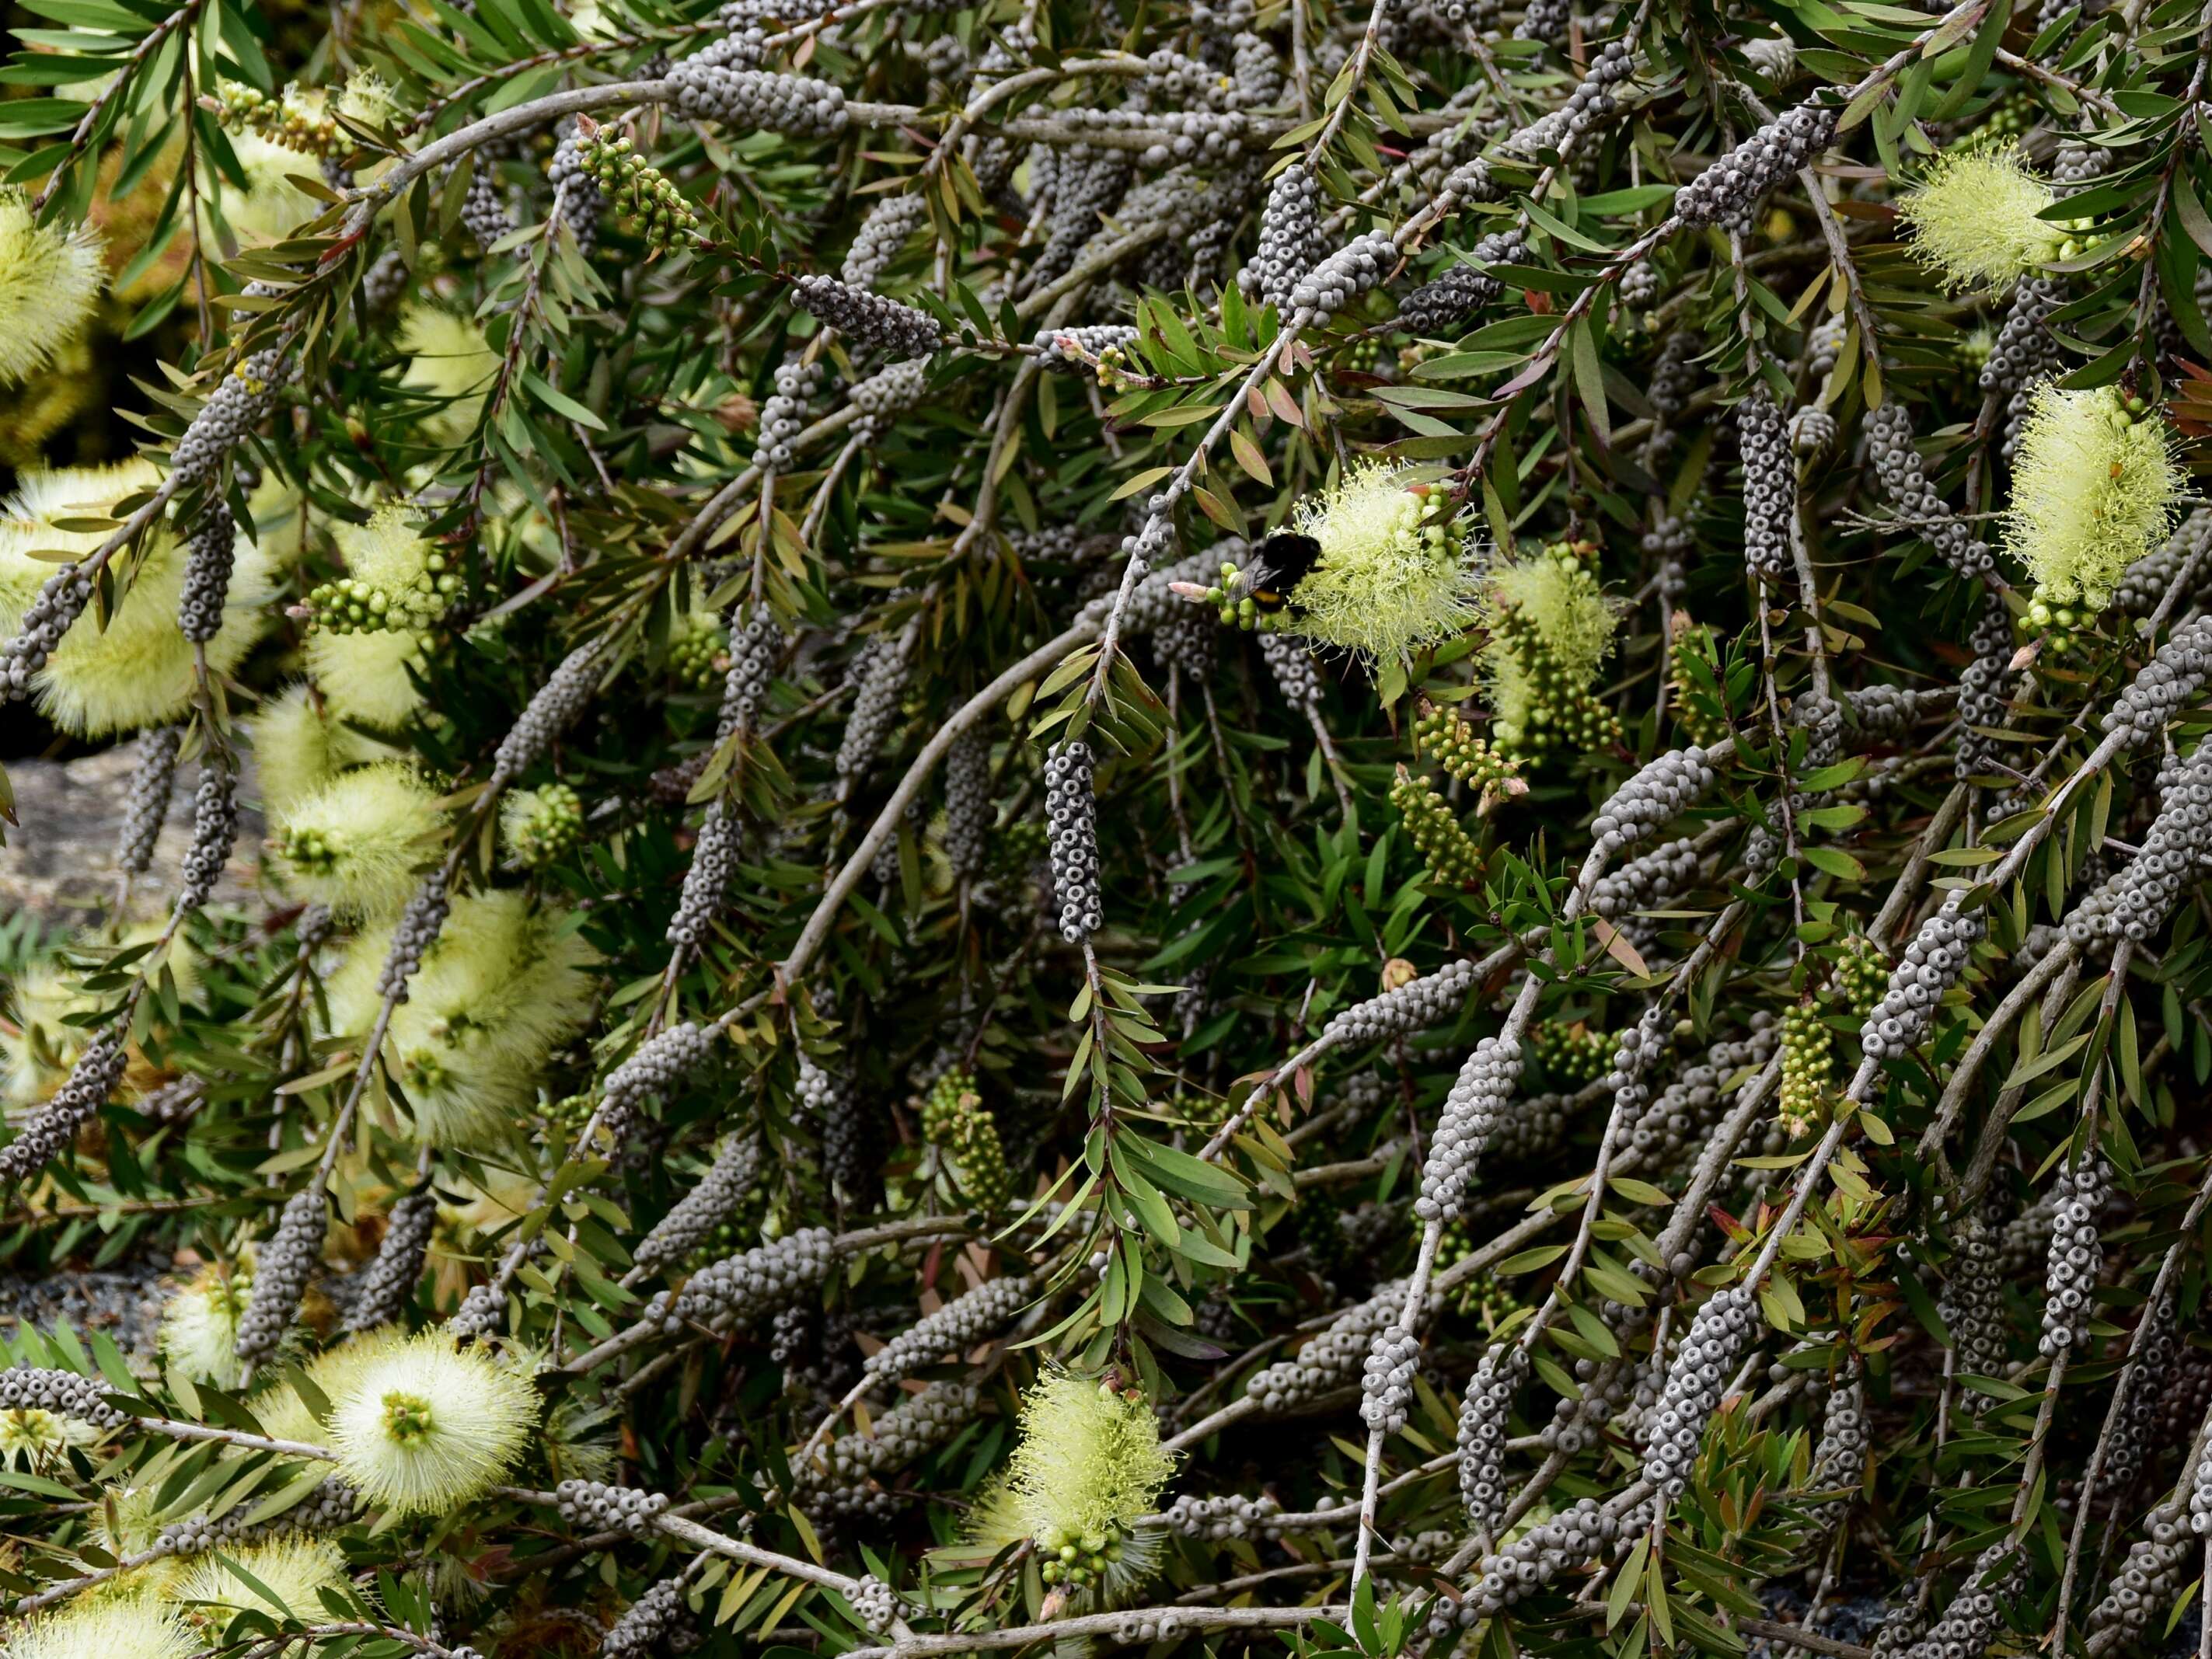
[{"x": 1143, "y": 826}]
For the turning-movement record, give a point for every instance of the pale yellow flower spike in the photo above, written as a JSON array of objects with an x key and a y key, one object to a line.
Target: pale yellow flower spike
[
  {"x": 2094, "y": 488},
  {"x": 50, "y": 279},
  {"x": 1975, "y": 218}
]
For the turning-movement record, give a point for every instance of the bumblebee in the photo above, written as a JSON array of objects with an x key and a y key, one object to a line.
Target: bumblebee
[{"x": 1280, "y": 564}]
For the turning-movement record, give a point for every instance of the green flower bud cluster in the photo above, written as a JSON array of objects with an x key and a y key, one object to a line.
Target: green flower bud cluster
[
  {"x": 281, "y": 120},
  {"x": 1322, "y": 1233},
  {"x": 638, "y": 188},
  {"x": 698, "y": 655},
  {"x": 2010, "y": 118},
  {"x": 1448, "y": 850},
  {"x": 1444, "y": 735},
  {"x": 350, "y": 606},
  {"x": 1489, "y": 1299},
  {"x": 1807, "y": 1049},
  {"x": 1077, "y": 1559},
  {"x": 1571, "y": 1055},
  {"x": 1694, "y": 642},
  {"x": 546, "y": 830},
  {"x": 1862, "y": 974},
  {"x": 967, "y": 1137},
  {"x": 307, "y": 847},
  {"x": 2061, "y": 626}
]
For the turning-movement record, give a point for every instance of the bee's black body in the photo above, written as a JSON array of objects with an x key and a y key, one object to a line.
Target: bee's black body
[{"x": 1280, "y": 564}]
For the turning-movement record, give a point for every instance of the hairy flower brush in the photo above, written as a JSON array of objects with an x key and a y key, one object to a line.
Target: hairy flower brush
[
  {"x": 50, "y": 279},
  {"x": 450, "y": 360},
  {"x": 1550, "y": 627},
  {"x": 2094, "y": 488},
  {"x": 353, "y": 843},
  {"x": 1393, "y": 576},
  {"x": 126, "y": 1627},
  {"x": 283, "y": 1579},
  {"x": 299, "y": 747},
  {"x": 1087, "y": 1464},
  {"x": 199, "y": 1325},
  {"x": 426, "y": 1426},
  {"x": 138, "y": 669},
  {"x": 1377, "y": 565},
  {"x": 1976, "y": 217},
  {"x": 506, "y": 982}
]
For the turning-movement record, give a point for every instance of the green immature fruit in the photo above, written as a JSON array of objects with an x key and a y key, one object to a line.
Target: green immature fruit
[{"x": 1448, "y": 850}]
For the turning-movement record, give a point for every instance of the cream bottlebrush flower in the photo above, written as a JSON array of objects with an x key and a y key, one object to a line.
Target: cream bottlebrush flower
[
  {"x": 1974, "y": 217},
  {"x": 123, "y": 1628},
  {"x": 50, "y": 279},
  {"x": 507, "y": 983},
  {"x": 199, "y": 1325},
  {"x": 2095, "y": 487},
  {"x": 390, "y": 549},
  {"x": 284, "y": 1579},
  {"x": 449, "y": 358},
  {"x": 283, "y": 1415},
  {"x": 1549, "y": 619},
  {"x": 1393, "y": 573},
  {"x": 271, "y": 206},
  {"x": 368, "y": 679},
  {"x": 355, "y": 841},
  {"x": 298, "y": 748},
  {"x": 137, "y": 670},
  {"x": 1088, "y": 1463},
  {"x": 427, "y": 1425},
  {"x": 38, "y": 1045},
  {"x": 33, "y": 1440}
]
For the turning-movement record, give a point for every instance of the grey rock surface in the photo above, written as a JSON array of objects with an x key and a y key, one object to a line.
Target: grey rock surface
[{"x": 59, "y": 861}]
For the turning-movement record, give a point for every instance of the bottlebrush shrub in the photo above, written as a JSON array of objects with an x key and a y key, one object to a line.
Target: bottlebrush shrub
[{"x": 1155, "y": 931}]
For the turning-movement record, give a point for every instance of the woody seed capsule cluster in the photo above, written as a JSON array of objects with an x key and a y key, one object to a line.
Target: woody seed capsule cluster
[
  {"x": 281, "y": 1272},
  {"x": 654, "y": 1615},
  {"x": 419, "y": 925},
  {"x": 147, "y": 807},
  {"x": 1290, "y": 242},
  {"x": 2076, "y": 1257},
  {"x": 869, "y": 319},
  {"x": 659, "y": 1066},
  {"x": 82, "y": 1399},
  {"x": 1931, "y": 966},
  {"x": 214, "y": 830},
  {"x": 60, "y": 600},
  {"x": 714, "y": 861},
  {"x": 954, "y": 1328},
  {"x": 595, "y": 1506},
  {"x": 1904, "y": 485},
  {"x": 713, "y": 1199},
  {"x": 1072, "y": 812},
  {"x": 730, "y": 1294},
  {"x": 1770, "y": 488},
  {"x": 388, "y": 1284},
  {"x": 53, "y": 1127},
  {"x": 1478, "y": 1097},
  {"x": 1702, "y": 1367},
  {"x": 792, "y": 104},
  {"x": 1459, "y": 291},
  {"x": 1660, "y": 793},
  {"x": 1331, "y": 1360},
  {"x": 1427, "y": 1001},
  {"x": 551, "y": 713},
  {"x": 1342, "y": 276},
  {"x": 1728, "y": 188},
  {"x": 211, "y": 553},
  {"x": 1483, "y": 1413}
]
